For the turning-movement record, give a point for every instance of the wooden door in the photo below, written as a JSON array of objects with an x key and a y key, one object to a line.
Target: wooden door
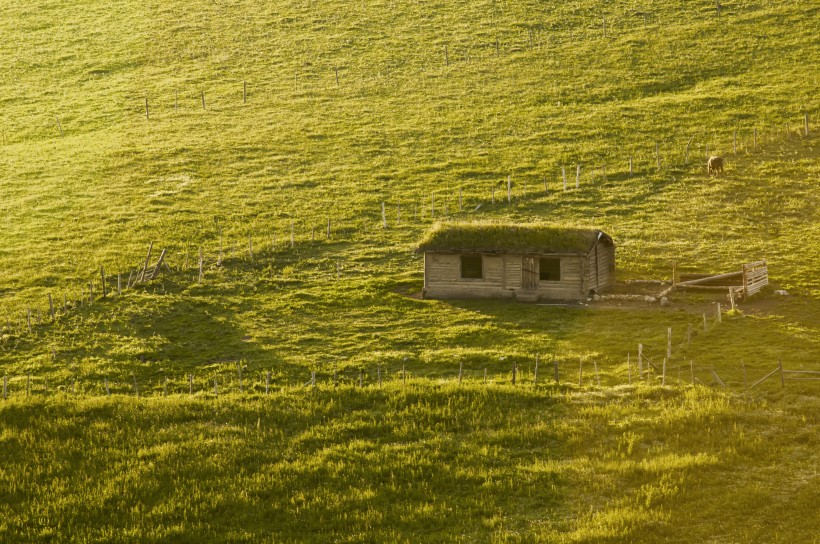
[{"x": 529, "y": 273}]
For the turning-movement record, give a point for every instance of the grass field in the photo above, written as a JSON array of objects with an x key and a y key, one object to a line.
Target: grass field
[{"x": 243, "y": 128}]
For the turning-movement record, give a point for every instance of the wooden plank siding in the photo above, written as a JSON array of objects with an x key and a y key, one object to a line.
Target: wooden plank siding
[
  {"x": 502, "y": 277},
  {"x": 606, "y": 266},
  {"x": 571, "y": 285}
]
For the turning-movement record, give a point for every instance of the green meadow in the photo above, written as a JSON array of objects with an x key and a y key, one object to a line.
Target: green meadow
[{"x": 297, "y": 388}]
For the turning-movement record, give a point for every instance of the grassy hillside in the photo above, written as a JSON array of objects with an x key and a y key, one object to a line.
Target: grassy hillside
[
  {"x": 243, "y": 129},
  {"x": 412, "y": 464}
]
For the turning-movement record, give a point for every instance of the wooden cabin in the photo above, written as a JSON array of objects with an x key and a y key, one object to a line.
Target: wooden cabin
[{"x": 523, "y": 262}]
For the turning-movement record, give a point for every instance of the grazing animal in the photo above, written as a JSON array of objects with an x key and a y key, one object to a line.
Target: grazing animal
[{"x": 715, "y": 165}]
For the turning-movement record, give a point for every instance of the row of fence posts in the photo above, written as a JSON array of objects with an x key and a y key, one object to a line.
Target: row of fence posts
[{"x": 515, "y": 378}]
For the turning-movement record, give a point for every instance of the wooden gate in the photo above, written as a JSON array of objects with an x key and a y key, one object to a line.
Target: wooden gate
[{"x": 529, "y": 274}]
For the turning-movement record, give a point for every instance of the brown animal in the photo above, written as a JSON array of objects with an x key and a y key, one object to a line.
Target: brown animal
[{"x": 715, "y": 165}]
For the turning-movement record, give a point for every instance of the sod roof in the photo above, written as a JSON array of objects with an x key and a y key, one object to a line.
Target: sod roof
[{"x": 510, "y": 238}]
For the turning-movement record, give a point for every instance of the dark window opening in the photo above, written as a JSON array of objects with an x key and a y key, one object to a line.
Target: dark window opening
[
  {"x": 549, "y": 269},
  {"x": 471, "y": 267}
]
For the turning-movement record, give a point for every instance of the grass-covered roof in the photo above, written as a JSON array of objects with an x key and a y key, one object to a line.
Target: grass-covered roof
[{"x": 509, "y": 238}]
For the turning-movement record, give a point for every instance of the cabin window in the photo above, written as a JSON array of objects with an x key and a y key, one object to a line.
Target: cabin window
[
  {"x": 471, "y": 267},
  {"x": 549, "y": 269}
]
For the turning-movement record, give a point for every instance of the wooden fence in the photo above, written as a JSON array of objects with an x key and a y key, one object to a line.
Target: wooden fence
[{"x": 556, "y": 372}]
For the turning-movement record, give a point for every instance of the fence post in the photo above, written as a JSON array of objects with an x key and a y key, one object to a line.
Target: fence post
[
  {"x": 719, "y": 313},
  {"x": 580, "y": 371},
  {"x": 514, "y": 372},
  {"x": 780, "y": 367},
  {"x": 51, "y": 306},
  {"x": 640, "y": 361},
  {"x": 692, "y": 370},
  {"x": 190, "y": 384},
  {"x": 597, "y": 377},
  {"x": 663, "y": 374},
  {"x": 535, "y": 377}
]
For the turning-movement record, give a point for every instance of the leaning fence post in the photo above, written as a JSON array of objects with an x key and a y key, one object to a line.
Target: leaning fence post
[{"x": 780, "y": 367}]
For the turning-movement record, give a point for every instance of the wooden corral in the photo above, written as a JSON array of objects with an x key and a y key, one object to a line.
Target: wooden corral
[
  {"x": 524, "y": 262},
  {"x": 743, "y": 283}
]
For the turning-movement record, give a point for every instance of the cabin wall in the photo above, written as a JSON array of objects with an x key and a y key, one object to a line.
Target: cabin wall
[
  {"x": 443, "y": 277},
  {"x": 606, "y": 265},
  {"x": 502, "y": 278},
  {"x": 572, "y": 281}
]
